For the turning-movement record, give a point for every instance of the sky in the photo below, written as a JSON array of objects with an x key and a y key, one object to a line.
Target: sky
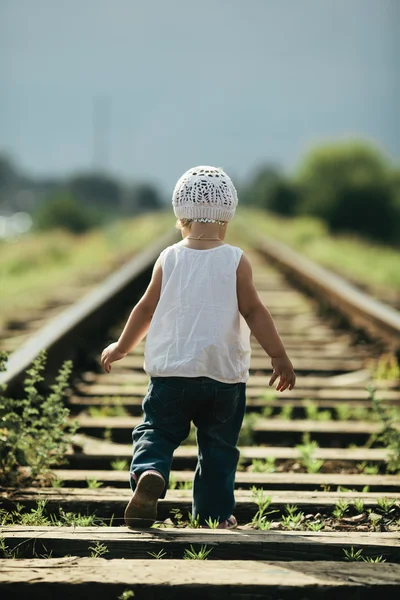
[{"x": 148, "y": 89}]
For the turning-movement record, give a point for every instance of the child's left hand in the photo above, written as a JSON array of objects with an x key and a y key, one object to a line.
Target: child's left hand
[{"x": 111, "y": 354}]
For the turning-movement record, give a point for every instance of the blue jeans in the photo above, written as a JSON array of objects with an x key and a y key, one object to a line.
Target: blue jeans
[{"x": 217, "y": 410}]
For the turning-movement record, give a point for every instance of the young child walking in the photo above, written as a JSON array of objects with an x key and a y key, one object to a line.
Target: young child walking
[{"x": 197, "y": 312}]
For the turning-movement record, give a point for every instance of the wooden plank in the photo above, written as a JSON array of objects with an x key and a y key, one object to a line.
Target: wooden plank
[
  {"x": 227, "y": 545},
  {"x": 265, "y": 392},
  {"x": 212, "y": 579},
  {"x": 246, "y": 479},
  {"x": 108, "y": 502},
  {"x": 95, "y": 454},
  {"x": 356, "y": 380},
  {"x": 265, "y": 425},
  {"x": 312, "y": 365}
]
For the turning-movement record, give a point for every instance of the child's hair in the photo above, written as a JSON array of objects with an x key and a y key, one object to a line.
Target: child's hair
[{"x": 181, "y": 223}]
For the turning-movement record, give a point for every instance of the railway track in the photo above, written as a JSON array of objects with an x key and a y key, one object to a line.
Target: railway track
[{"x": 321, "y": 489}]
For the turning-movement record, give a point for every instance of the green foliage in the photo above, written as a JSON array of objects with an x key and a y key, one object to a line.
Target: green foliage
[
  {"x": 314, "y": 413},
  {"x": 307, "y": 452},
  {"x": 389, "y": 435},
  {"x": 359, "y": 505},
  {"x": 340, "y": 509},
  {"x": 98, "y": 550},
  {"x": 266, "y": 465},
  {"x": 62, "y": 210},
  {"x": 127, "y": 594},
  {"x": 194, "y": 522},
  {"x": 212, "y": 523},
  {"x": 202, "y": 554},
  {"x": 315, "y": 525},
  {"x": 34, "y": 431},
  {"x": 93, "y": 484},
  {"x": 185, "y": 485},
  {"x": 119, "y": 465},
  {"x": 271, "y": 190},
  {"x": 176, "y": 516},
  {"x": 347, "y": 184},
  {"x": 259, "y": 520},
  {"x": 293, "y": 518},
  {"x": 387, "y": 368},
  {"x": 246, "y": 434},
  {"x": 353, "y": 555},
  {"x": 386, "y": 504},
  {"x": 286, "y": 412},
  {"x": 158, "y": 555}
]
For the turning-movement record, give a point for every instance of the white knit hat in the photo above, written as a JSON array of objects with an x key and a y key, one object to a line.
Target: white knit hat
[{"x": 205, "y": 193}]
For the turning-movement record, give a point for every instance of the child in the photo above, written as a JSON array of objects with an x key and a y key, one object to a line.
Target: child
[{"x": 197, "y": 311}]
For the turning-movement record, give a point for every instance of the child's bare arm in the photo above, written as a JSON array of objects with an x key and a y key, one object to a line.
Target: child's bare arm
[
  {"x": 262, "y": 326},
  {"x": 138, "y": 322}
]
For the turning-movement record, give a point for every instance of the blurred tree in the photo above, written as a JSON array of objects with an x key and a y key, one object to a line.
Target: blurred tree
[
  {"x": 142, "y": 197},
  {"x": 271, "y": 190},
  {"x": 96, "y": 189},
  {"x": 8, "y": 181},
  {"x": 65, "y": 211},
  {"x": 347, "y": 185}
]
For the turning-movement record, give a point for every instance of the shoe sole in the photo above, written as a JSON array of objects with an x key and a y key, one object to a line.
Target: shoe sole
[{"x": 141, "y": 511}]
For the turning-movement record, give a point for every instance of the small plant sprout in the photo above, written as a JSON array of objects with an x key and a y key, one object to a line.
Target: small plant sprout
[
  {"x": 353, "y": 555},
  {"x": 119, "y": 465},
  {"x": 158, "y": 555},
  {"x": 267, "y": 412},
  {"x": 185, "y": 485},
  {"x": 93, "y": 484},
  {"x": 172, "y": 482},
  {"x": 263, "y": 502},
  {"x": 293, "y": 517},
  {"x": 343, "y": 411},
  {"x": 377, "y": 559},
  {"x": 340, "y": 508},
  {"x": 315, "y": 525},
  {"x": 191, "y": 554},
  {"x": 212, "y": 523},
  {"x": 389, "y": 434},
  {"x": 107, "y": 434},
  {"x": 98, "y": 550},
  {"x": 368, "y": 469},
  {"x": 307, "y": 452},
  {"x": 386, "y": 504},
  {"x": 4, "y": 551},
  {"x": 194, "y": 522},
  {"x": 56, "y": 482},
  {"x": 176, "y": 516},
  {"x": 35, "y": 517},
  {"x": 314, "y": 414},
  {"x": 286, "y": 412},
  {"x": 127, "y": 595},
  {"x": 266, "y": 465},
  {"x": 387, "y": 368},
  {"x": 359, "y": 505}
]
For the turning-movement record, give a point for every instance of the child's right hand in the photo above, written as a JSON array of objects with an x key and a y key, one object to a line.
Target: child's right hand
[{"x": 283, "y": 368}]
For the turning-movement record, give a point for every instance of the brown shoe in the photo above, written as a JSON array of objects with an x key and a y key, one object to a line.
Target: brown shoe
[{"x": 142, "y": 508}]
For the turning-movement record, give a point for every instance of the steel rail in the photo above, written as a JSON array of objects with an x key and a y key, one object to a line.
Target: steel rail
[
  {"x": 360, "y": 310},
  {"x": 68, "y": 334}
]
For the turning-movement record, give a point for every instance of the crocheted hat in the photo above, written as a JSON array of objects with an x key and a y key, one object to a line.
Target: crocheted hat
[{"x": 204, "y": 193}]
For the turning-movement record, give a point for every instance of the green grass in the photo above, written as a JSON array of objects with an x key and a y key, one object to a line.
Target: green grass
[
  {"x": 365, "y": 262},
  {"x": 40, "y": 266}
]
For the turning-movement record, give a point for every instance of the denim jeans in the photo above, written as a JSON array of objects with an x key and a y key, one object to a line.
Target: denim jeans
[{"x": 217, "y": 410}]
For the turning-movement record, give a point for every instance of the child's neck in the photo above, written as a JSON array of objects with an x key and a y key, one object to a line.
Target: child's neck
[{"x": 203, "y": 236}]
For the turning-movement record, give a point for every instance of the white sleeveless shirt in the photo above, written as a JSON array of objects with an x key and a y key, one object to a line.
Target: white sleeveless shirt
[{"x": 197, "y": 329}]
